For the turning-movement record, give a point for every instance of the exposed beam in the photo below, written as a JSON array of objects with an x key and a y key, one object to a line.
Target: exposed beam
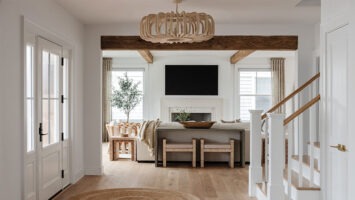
[
  {"x": 240, "y": 55},
  {"x": 217, "y": 43},
  {"x": 146, "y": 55}
]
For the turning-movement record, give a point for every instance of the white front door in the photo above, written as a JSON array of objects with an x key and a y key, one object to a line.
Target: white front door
[
  {"x": 50, "y": 115},
  {"x": 337, "y": 124}
]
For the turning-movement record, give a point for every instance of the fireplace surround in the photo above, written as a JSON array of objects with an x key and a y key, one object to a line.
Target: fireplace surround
[{"x": 200, "y": 109}]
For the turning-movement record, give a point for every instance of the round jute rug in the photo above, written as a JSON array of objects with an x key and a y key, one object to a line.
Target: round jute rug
[{"x": 134, "y": 194}]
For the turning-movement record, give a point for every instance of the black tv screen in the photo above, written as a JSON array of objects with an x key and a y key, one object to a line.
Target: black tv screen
[{"x": 191, "y": 79}]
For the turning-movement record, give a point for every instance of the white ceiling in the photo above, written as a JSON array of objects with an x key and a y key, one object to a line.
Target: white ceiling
[
  {"x": 223, "y": 11},
  {"x": 222, "y": 54}
]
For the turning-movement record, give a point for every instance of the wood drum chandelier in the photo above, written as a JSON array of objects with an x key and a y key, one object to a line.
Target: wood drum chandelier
[{"x": 177, "y": 27}]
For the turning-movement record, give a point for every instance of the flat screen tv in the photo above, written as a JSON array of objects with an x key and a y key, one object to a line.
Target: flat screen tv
[{"x": 191, "y": 79}]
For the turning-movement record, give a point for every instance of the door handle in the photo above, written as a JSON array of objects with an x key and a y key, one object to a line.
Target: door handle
[
  {"x": 40, "y": 132},
  {"x": 340, "y": 147}
]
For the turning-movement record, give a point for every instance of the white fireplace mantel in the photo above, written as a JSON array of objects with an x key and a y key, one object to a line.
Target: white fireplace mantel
[{"x": 213, "y": 105}]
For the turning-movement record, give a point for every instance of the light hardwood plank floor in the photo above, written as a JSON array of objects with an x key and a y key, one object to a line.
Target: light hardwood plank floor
[{"x": 217, "y": 182}]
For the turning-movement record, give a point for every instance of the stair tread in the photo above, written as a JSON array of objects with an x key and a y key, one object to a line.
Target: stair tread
[
  {"x": 295, "y": 181},
  {"x": 306, "y": 160}
]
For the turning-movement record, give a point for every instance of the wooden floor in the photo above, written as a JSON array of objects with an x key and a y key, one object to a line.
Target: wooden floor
[{"x": 210, "y": 183}]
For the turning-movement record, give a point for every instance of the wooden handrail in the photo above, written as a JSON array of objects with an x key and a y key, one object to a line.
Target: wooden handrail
[
  {"x": 302, "y": 109},
  {"x": 315, "y": 77}
]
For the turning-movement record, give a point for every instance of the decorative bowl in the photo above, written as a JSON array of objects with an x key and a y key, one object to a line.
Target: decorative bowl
[{"x": 198, "y": 125}]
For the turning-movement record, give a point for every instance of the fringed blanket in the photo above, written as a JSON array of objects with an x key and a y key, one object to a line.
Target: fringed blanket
[{"x": 146, "y": 134}]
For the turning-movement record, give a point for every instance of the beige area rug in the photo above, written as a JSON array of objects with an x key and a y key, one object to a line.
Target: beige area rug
[{"x": 134, "y": 194}]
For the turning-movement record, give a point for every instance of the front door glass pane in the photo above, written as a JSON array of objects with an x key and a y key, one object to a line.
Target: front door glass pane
[
  {"x": 50, "y": 98},
  {"x": 45, "y": 122},
  {"x": 45, "y": 74}
]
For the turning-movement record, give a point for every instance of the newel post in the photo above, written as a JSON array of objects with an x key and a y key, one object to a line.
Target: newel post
[
  {"x": 255, "y": 169},
  {"x": 276, "y": 156}
]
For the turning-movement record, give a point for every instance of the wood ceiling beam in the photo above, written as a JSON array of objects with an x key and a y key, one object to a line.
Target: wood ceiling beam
[
  {"x": 146, "y": 55},
  {"x": 241, "y": 54},
  {"x": 216, "y": 43}
]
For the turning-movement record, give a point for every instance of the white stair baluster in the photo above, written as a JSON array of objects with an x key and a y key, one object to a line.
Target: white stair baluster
[
  {"x": 255, "y": 169},
  {"x": 300, "y": 148},
  {"x": 312, "y": 136},
  {"x": 276, "y": 157},
  {"x": 289, "y": 160},
  {"x": 266, "y": 150}
]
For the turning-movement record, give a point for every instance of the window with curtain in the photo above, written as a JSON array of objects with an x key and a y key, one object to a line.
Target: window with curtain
[
  {"x": 254, "y": 91},
  {"x": 136, "y": 114}
]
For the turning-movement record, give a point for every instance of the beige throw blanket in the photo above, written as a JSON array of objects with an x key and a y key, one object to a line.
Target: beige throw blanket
[{"x": 147, "y": 132}]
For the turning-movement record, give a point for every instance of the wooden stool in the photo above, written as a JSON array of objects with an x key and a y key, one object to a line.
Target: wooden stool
[
  {"x": 217, "y": 148},
  {"x": 180, "y": 148}
]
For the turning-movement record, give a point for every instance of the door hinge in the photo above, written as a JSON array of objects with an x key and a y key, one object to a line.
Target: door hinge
[
  {"x": 62, "y": 173},
  {"x": 62, "y": 136},
  {"x": 62, "y": 99},
  {"x": 62, "y": 61}
]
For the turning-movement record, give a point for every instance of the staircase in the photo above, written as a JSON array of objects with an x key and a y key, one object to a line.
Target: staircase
[{"x": 297, "y": 175}]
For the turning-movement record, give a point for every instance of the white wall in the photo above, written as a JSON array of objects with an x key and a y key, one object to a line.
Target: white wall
[
  {"x": 54, "y": 19},
  {"x": 92, "y": 80},
  {"x": 317, "y": 38},
  {"x": 157, "y": 80},
  {"x": 154, "y": 78}
]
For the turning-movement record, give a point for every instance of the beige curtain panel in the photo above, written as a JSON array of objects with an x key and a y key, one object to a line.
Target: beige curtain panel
[
  {"x": 278, "y": 82},
  {"x": 106, "y": 95}
]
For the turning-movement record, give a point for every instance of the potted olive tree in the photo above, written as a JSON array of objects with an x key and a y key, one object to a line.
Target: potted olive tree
[{"x": 127, "y": 95}]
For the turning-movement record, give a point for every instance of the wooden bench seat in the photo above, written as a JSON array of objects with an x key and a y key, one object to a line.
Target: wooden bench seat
[
  {"x": 179, "y": 147},
  {"x": 217, "y": 148}
]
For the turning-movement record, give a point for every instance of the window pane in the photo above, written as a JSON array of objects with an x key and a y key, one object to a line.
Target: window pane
[
  {"x": 137, "y": 113},
  {"x": 263, "y": 103},
  {"x": 246, "y": 103},
  {"x": 54, "y": 76},
  {"x": 263, "y": 83},
  {"x": 29, "y": 71},
  {"x": 45, "y": 73},
  {"x": 255, "y": 92},
  {"x": 30, "y": 124},
  {"x": 65, "y": 119},
  {"x": 247, "y": 82},
  {"x": 29, "y": 98},
  {"x": 66, "y": 97},
  {"x": 45, "y": 122},
  {"x": 50, "y": 112},
  {"x": 65, "y": 78},
  {"x": 54, "y": 122}
]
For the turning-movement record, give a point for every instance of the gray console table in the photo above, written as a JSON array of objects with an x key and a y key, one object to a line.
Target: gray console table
[{"x": 179, "y": 134}]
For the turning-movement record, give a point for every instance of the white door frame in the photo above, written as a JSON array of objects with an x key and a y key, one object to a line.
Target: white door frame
[{"x": 31, "y": 29}]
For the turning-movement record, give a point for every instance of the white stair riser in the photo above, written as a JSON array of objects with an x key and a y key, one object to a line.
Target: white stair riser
[
  {"x": 302, "y": 194},
  {"x": 306, "y": 171},
  {"x": 308, "y": 195}
]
